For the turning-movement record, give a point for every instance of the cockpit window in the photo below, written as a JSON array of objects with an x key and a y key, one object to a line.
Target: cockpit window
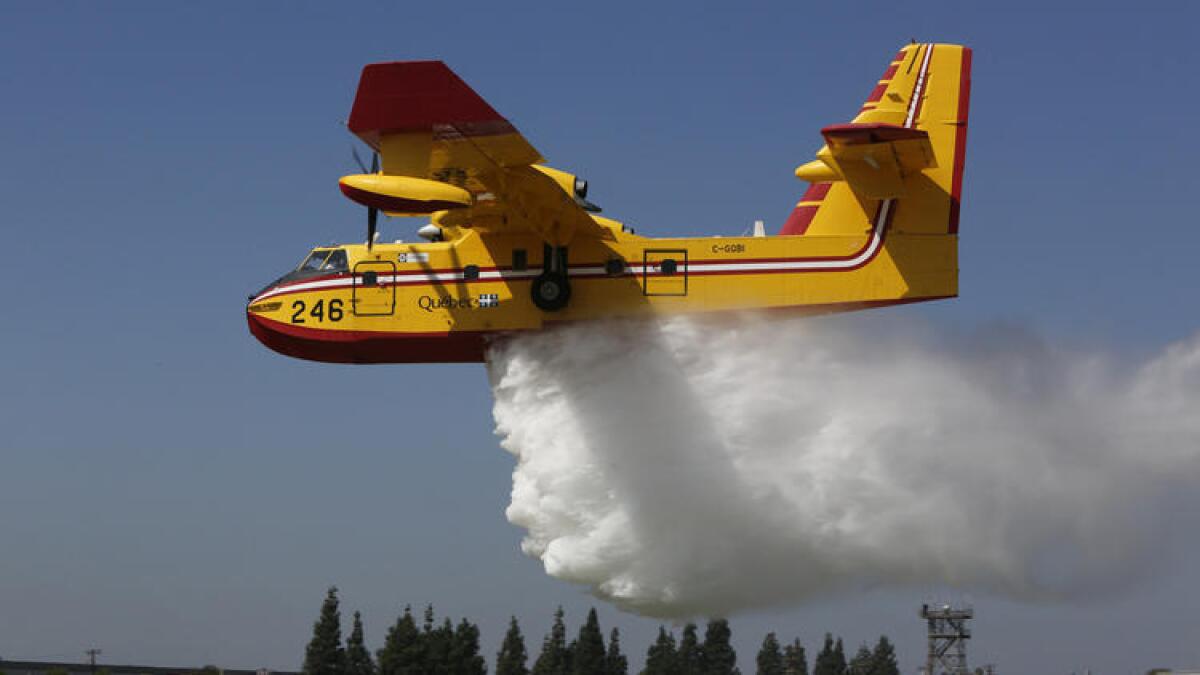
[
  {"x": 324, "y": 260},
  {"x": 314, "y": 260},
  {"x": 336, "y": 262}
]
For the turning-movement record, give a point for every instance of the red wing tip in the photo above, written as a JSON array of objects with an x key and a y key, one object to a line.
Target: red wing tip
[{"x": 399, "y": 96}]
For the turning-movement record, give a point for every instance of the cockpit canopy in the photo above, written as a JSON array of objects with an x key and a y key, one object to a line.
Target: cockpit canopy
[{"x": 324, "y": 260}]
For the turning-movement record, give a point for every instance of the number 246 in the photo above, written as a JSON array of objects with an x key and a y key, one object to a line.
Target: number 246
[{"x": 320, "y": 311}]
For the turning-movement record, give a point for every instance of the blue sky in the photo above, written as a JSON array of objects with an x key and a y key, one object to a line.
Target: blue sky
[{"x": 171, "y": 492}]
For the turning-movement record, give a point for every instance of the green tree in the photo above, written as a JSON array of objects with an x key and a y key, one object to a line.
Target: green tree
[
  {"x": 464, "y": 651},
  {"x": 770, "y": 659},
  {"x": 717, "y": 656},
  {"x": 615, "y": 662},
  {"x": 795, "y": 662},
  {"x": 427, "y": 626},
  {"x": 861, "y": 663},
  {"x": 358, "y": 659},
  {"x": 824, "y": 663},
  {"x": 661, "y": 657},
  {"x": 553, "y": 659},
  {"x": 883, "y": 658},
  {"x": 689, "y": 652},
  {"x": 839, "y": 658},
  {"x": 324, "y": 654},
  {"x": 512, "y": 657},
  {"x": 402, "y": 652},
  {"x": 588, "y": 656},
  {"x": 439, "y": 648}
]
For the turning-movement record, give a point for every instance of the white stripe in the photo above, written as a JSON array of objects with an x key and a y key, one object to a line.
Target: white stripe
[{"x": 919, "y": 90}]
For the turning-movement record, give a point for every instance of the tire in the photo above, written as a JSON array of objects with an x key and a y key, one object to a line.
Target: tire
[{"x": 550, "y": 291}]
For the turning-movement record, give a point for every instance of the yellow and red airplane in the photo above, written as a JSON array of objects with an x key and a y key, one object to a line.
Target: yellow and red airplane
[{"x": 514, "y": 245}]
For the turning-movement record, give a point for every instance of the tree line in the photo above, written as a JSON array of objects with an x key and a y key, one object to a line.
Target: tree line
[{"x": 446, "y": 648}]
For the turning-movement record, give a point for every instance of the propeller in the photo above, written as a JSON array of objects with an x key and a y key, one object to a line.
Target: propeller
[{"x": 372, "y": 212}]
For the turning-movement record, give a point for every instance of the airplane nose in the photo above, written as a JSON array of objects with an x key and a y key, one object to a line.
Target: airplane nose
[{"x": 267, "y": 318}]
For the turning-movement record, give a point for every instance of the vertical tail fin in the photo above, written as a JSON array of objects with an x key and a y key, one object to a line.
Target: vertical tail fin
[{"x": 907, "y": 144}]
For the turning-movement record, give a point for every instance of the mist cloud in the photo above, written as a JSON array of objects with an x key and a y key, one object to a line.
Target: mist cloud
[{"x": 684, "y": 468}]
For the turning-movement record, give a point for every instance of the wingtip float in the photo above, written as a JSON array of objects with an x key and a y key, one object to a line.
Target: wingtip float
[{"x": 514, "y": 245}]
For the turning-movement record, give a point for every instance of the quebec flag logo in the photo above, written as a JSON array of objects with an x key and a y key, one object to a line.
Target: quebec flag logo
[{"x": 489, "y": 299}]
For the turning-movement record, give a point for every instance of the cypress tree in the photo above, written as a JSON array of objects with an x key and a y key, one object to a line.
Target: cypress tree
[
  {"x": 569, "y": 657},
  {"x": 795, "y": 662},
  {"x": 861, "y": 663},
  {"x": 402, "y": 652},
  {"x": 770, "y": 659},
  {"x": 464, "y": 651},
  {"x": 661, "y": 657},
  {"x": 823, "y": 665},
  {"x": 439, "y": 646},
  {"x": 512, "y": 657},
  {"x": 838, "y": 661},
  {"x": 689, "y": 651},
  {"x": 553, "y": 658},
  {"x": 587, "y": 658},
  {"x": 324, "y": 654},
  {"x": 717, "y": 656},
  {"x": 615, "y": 662},
  {"x": 883, "y": 658},
  {"x": 358, "y": 659}
]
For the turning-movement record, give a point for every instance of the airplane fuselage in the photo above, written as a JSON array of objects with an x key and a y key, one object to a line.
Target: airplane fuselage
[{"x": 443, "y": 301}]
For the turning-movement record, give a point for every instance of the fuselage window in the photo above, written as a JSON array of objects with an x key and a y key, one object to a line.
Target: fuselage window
[{"x": 471, "y": 272}]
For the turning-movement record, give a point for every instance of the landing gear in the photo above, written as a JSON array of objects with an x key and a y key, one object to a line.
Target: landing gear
[{"x": 551, "y": 290}]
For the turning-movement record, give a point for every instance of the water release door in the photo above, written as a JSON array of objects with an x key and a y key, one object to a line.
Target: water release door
[
  {"x": 664, "y": 271},
  {"x": 374, "y": 290}
]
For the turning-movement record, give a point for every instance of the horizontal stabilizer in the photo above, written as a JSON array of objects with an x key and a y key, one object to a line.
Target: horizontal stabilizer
[{"x": 873, "y": 159}]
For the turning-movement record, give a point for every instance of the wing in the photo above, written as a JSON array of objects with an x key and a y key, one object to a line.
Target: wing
[{"x": 430, "y": 127}]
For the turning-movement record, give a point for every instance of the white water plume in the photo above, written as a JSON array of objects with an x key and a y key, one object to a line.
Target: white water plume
[{"x": 684, "y": 468}]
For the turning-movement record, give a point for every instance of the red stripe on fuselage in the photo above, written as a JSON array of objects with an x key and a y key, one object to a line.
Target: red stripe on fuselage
[{"x": 357, "y": 346}]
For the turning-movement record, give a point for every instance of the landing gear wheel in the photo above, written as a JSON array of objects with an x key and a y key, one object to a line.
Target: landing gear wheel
[{"x": 551, "y": 291}]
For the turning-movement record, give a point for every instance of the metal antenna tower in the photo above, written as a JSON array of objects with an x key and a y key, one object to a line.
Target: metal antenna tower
[
  {"x": 948, "y": 635},
  {"x": 92, "y": 654}
]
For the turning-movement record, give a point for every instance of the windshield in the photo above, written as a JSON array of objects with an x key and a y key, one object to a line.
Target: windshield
[{"x": 324, "y": 260}]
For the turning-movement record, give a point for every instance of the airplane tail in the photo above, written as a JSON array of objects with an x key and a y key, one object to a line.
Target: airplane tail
[{"x": 901, "y": 159}]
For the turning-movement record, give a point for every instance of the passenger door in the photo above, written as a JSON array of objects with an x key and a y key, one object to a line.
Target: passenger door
[{"x": 374, "y": 290}]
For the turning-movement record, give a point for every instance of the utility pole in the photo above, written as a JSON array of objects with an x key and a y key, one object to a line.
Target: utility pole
[{"x": 92, "y": 654}]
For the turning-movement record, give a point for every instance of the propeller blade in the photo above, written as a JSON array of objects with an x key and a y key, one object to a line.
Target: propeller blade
[
  {"x": 358, "y": 160},
  {"x": 372, "y": 222},
  {"x": 374, "y": 162}
]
